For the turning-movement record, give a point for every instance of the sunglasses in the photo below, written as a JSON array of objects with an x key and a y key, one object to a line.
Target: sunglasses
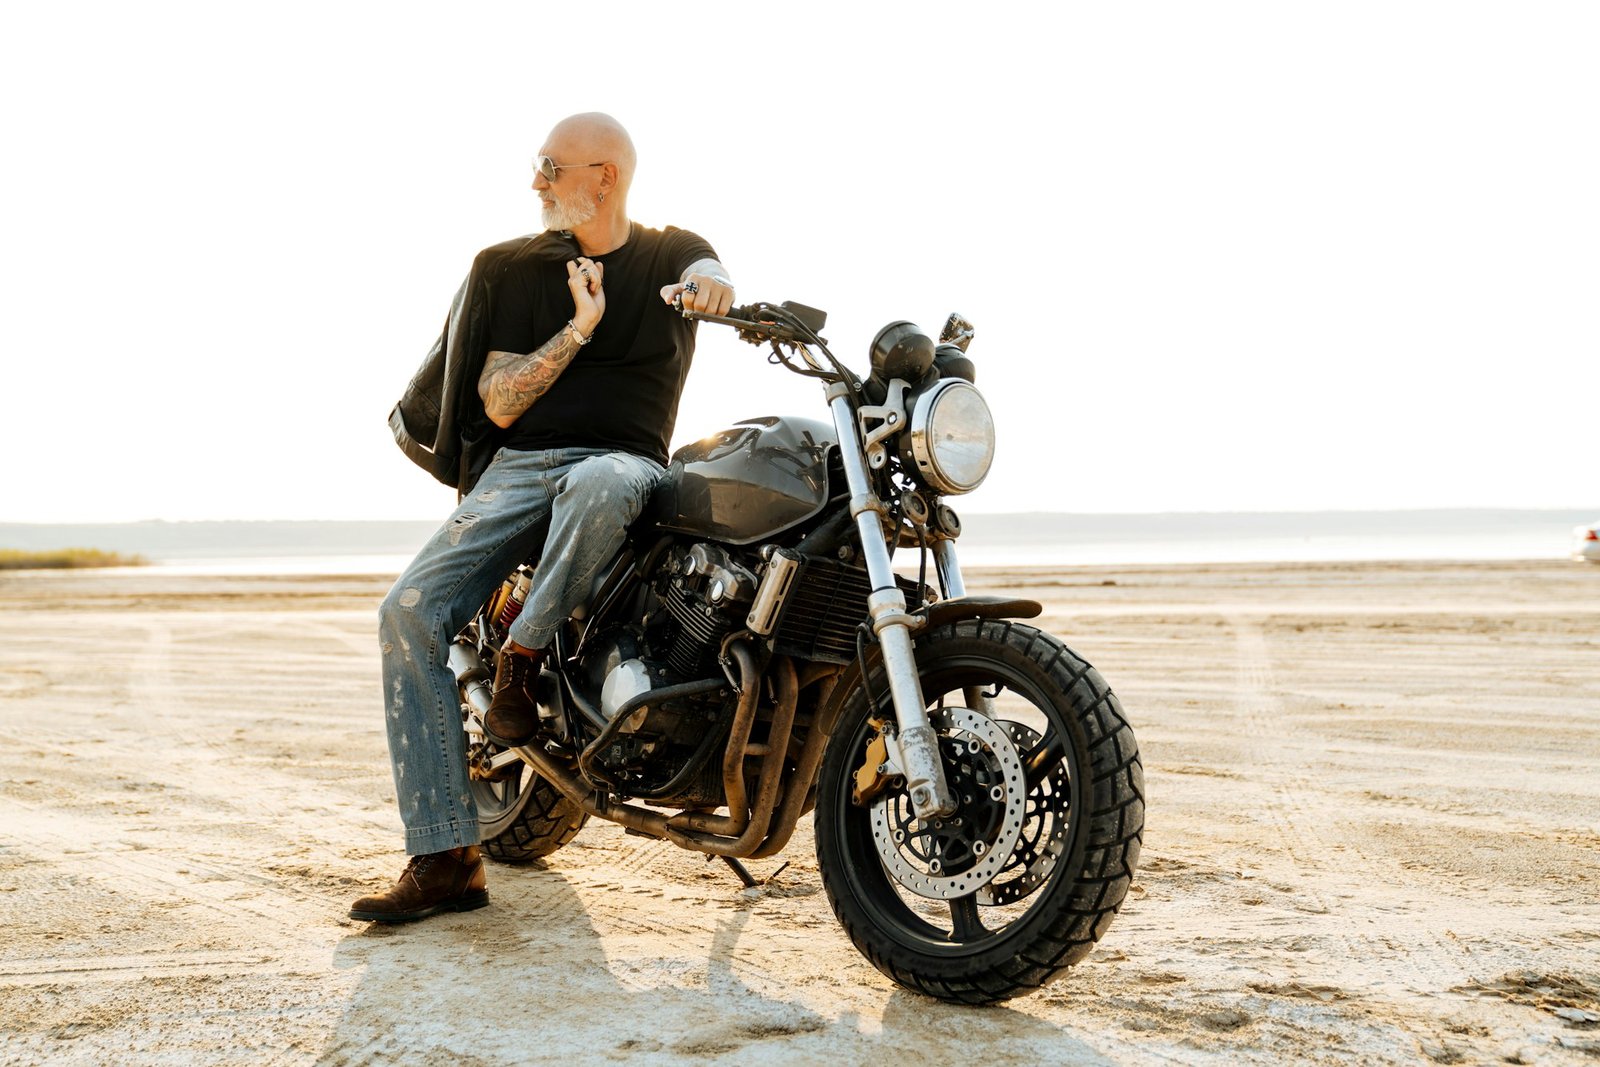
[{"x": 546, "y": 166}]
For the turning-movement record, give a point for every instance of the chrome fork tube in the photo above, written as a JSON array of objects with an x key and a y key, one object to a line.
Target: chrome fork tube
[
  {"x": 944, "y": 558},
  {"x": 919, "y": 745}
]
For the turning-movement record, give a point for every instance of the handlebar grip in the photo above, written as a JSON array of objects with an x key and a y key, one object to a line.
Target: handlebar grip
[
  {"x": 754, "y": 322},
  {"x": 737, "y": 316}
]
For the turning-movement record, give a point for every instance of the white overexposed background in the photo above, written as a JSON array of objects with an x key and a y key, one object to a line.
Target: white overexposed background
[{"x": 1221, "y": 256}]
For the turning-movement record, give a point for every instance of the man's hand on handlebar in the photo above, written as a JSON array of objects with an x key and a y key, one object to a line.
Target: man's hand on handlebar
[{"x": 708, "y": 294}]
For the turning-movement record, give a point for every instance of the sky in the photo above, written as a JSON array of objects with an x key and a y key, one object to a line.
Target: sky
[{"x": 1222, "y": 256}]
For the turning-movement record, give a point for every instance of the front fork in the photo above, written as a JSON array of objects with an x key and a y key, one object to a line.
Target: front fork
[{"x": 917, "y": 743}]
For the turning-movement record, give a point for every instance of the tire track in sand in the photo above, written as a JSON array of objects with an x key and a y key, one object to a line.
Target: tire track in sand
[
  {"x": 199, "y": 762},
  {"x": 298, "y": 919},
  {"x": 1429, "y": 963}
]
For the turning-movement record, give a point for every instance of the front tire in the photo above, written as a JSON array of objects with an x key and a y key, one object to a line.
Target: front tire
[{"x": 898, "y": 886}]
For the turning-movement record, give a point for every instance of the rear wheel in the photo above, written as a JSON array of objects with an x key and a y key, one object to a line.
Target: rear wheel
[
  {"x": 1018, "y": 884},
  {"x": 521, "y": 816},
  {"x": 524, "y": 817}
]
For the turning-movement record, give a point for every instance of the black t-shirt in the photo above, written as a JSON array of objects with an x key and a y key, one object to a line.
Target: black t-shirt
[{"x": 621, "y": 390}]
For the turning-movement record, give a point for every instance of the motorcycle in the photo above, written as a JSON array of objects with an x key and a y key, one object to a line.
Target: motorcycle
[{"x": 752, "y": 656}]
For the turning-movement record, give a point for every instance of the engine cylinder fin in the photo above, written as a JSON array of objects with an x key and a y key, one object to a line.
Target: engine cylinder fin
[{"x": 700, "y": 634}]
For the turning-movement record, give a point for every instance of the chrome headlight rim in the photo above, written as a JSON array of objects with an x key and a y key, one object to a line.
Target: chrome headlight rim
[{"x": 952, "y": 472}]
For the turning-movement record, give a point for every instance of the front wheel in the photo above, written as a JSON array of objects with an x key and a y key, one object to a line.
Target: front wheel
[{"x": 1017, "y": 885}]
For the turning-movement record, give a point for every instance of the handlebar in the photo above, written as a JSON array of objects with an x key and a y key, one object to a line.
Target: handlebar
[
  {"x": 748, "y": 320},
  {"x": 788, "y": 325},
  {"x": 789, "y": 322},
  {"x": 749, "y": 327}
]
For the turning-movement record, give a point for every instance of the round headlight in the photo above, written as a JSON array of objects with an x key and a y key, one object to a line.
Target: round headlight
[{"x": 952, "y": 436}]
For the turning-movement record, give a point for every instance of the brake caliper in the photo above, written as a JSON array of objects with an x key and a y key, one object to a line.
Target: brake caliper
[{"x": 875, "y": 774}]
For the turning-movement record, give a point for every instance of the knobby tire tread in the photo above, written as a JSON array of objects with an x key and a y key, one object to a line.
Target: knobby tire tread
[
  {"x": 547, "y": 822},
  {"x": 1085, "y": 909}
]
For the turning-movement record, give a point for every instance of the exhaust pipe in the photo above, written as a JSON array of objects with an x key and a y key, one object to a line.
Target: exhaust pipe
[{"x": 475, "y": 679}]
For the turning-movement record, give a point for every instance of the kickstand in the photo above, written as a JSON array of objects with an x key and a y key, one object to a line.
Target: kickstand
[
  {"x": 750, "y": 881},
  {"x": 741, "y": 870}
]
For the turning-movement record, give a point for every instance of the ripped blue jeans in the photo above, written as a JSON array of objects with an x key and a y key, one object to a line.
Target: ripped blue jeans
[{"x": 576, "y": 501}]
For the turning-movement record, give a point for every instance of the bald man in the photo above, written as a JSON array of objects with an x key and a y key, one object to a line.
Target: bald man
[{"x": 583, "y": 360}]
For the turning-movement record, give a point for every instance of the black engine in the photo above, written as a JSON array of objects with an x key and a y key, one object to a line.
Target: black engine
[{"x": 666, "y": 680}]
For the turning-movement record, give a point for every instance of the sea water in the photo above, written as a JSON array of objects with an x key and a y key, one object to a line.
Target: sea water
[{"x": 1037, "y": 539}]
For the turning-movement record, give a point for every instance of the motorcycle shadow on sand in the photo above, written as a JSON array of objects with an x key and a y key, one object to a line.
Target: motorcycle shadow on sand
[{"x": 530, "y": 979}]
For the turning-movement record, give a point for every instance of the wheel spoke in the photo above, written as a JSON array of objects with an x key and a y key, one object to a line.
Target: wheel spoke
[
  {"x": 1043, "y": 758},
  {"x": 964, "y": 919},
  {"x": 951, "y": 907}
]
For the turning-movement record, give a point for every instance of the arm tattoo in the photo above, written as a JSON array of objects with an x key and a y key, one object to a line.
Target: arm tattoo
[{"x": 510, "y": 383}]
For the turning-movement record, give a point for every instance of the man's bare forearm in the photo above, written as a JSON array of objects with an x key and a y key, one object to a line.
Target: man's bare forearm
[{"x": 510, "y": 383}]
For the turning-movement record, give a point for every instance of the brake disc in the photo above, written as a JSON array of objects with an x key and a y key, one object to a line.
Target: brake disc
[
  {"x": 1043, "y": 832},
  {"x": 985, "y": 766}
]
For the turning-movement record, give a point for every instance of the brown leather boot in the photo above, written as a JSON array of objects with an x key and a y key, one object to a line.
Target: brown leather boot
[
  {"x": 513, "y": 715},
  {"x": 440, "y": 881}
]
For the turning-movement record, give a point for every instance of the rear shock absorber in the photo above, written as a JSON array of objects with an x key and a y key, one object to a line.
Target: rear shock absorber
[{"x": 513, "y": 599}]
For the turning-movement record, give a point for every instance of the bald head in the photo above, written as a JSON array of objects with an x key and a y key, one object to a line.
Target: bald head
[
  {"x": 594, "y": 137},
  {"x": 584, "y": 186}
]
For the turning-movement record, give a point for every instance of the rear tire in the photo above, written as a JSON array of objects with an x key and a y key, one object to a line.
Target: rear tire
[
  {"x": 534, "y": 821},
  {"x": 1069, "y": 865},
  {"x": 521, "y": 817}
]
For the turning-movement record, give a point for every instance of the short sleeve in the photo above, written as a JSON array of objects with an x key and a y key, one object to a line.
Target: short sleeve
[{"x": 684, "y": 248}]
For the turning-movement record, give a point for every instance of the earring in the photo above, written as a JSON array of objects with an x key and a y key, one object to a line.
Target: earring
[{"x": 602, "y": 198}]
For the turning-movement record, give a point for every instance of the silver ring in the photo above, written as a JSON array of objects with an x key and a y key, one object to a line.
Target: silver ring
[
  {"x": 691, "y": 288},
  {"x": 584, "y": 271}
]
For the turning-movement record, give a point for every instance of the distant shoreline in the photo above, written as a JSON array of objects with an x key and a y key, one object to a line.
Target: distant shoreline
[
  {"x": 1020, "y": 539},
  {"x": 60, "y": 559}
]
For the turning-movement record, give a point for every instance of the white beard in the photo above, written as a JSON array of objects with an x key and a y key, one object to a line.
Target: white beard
[{"x": 566, "y": 214}]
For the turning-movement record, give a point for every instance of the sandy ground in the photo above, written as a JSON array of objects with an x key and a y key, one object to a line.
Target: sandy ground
[{"x": 1373, "y": 836}]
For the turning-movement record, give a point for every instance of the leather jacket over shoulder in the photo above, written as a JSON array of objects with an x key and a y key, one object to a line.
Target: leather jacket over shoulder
[{"x": 439, "y": 422}]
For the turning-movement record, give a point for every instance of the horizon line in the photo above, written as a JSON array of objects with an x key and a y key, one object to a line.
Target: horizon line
[{"x": 973, "y": 514}]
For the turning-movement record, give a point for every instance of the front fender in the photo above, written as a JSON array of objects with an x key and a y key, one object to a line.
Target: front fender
[
  {"x": 928, "y": 617},
  {"x": 976, "y": 607}
]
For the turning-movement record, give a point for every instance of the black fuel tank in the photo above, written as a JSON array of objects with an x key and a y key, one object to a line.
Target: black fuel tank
[{"x": 747, "y": 483}]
